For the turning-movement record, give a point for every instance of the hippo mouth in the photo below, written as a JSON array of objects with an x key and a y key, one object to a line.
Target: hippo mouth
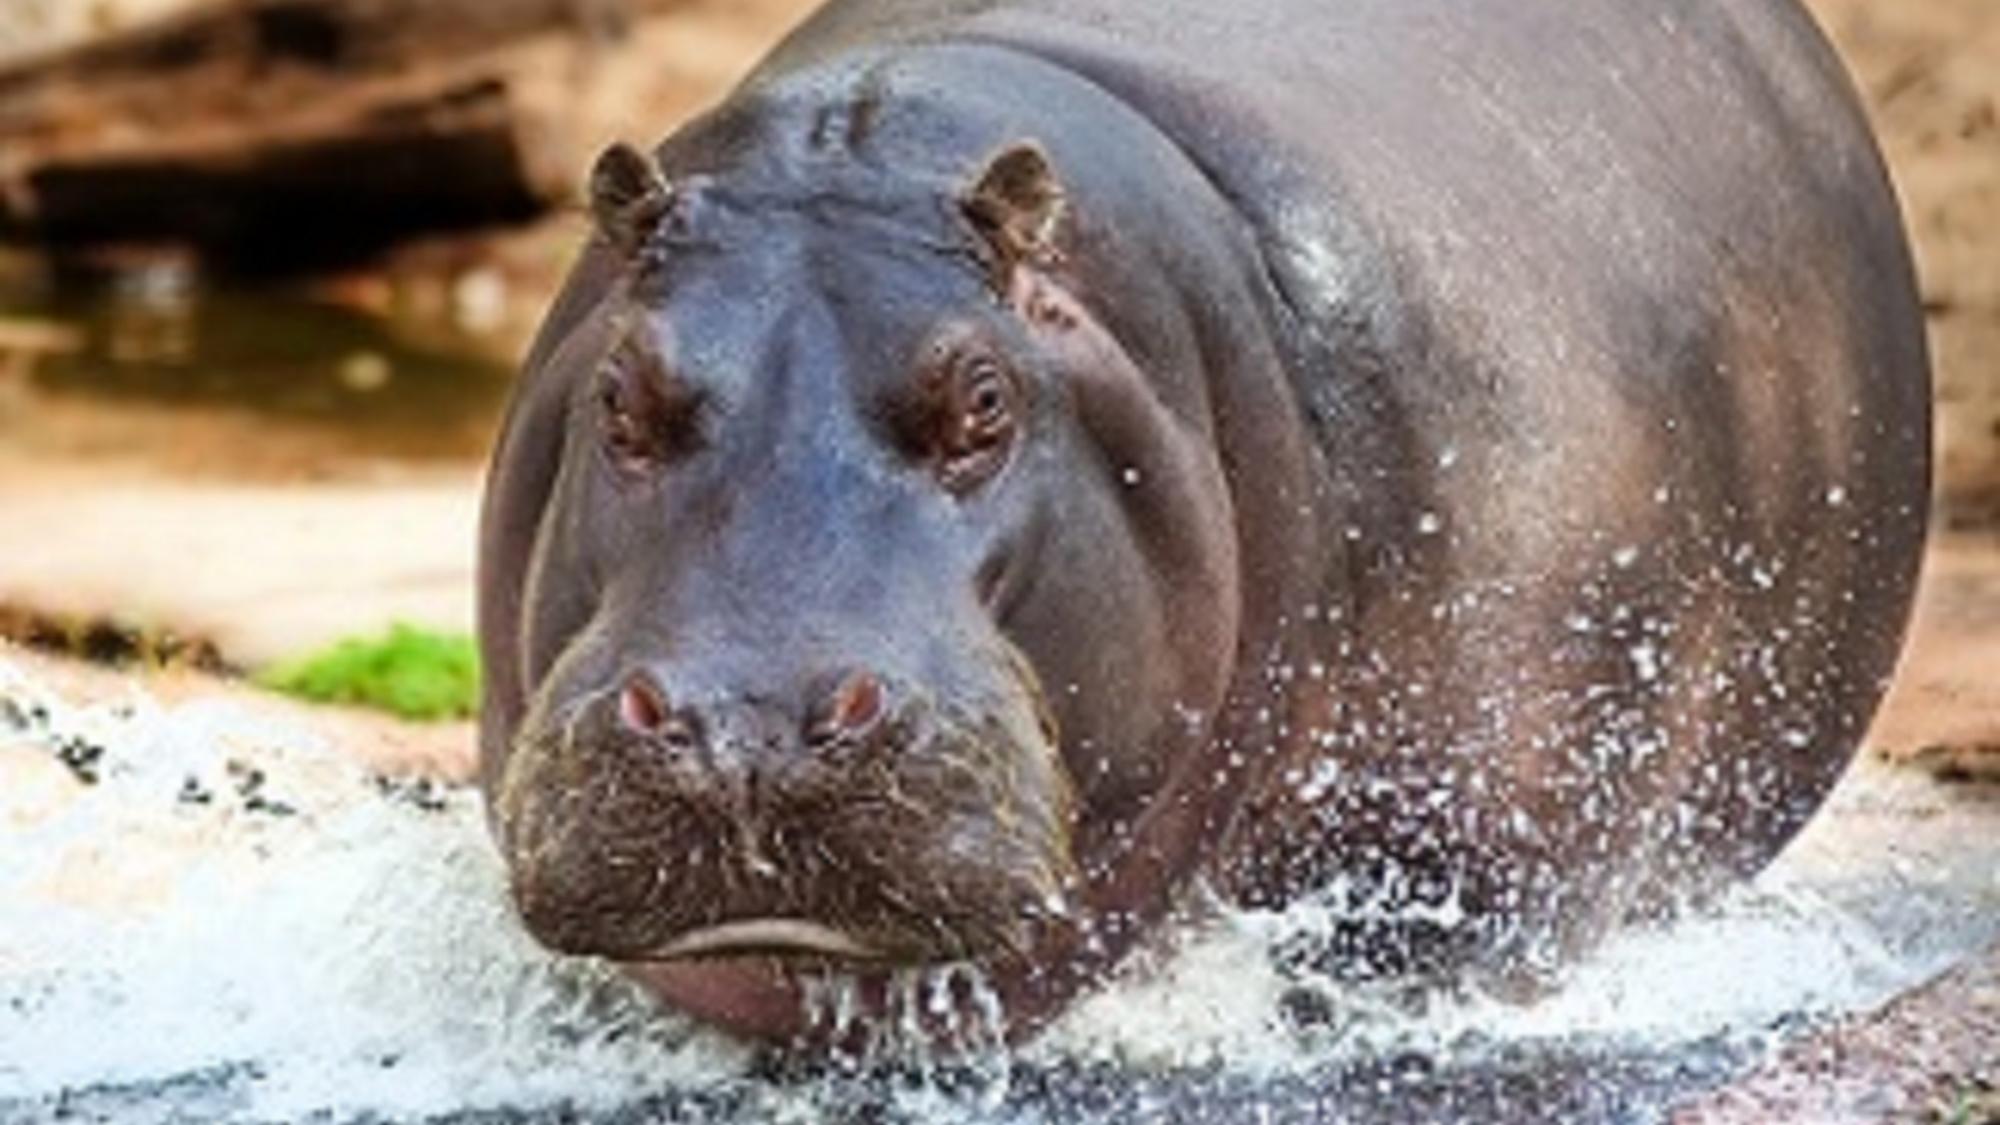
[
  {"x": 785, "y": 938},
  {"x": 944, "y": 839}
]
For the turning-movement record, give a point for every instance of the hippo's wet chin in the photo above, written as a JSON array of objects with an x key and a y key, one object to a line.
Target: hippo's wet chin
[{"x": 936, "y": 842}]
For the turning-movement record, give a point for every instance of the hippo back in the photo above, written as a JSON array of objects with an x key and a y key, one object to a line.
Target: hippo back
[{"x": 1604, "y": 329}]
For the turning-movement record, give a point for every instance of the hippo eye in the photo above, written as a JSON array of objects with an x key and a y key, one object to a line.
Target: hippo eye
[
  {"x": 646, "y": 417},
  {"x": 977, "y": 423},
  {"x": 986, "y": 407}
]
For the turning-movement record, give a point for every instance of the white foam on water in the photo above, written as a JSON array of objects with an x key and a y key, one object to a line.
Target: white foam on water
[
  {"x": 1824, "y": 931},
  {"x": 1212, "y": 997},
  {"x": 360, "y": 955}
]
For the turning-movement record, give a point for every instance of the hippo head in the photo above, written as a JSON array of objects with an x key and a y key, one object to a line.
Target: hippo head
[{"x": 849, "y": 591}]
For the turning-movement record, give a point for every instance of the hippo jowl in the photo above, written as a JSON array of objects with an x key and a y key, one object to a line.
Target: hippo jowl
[{"x": 1012, "y": 459}]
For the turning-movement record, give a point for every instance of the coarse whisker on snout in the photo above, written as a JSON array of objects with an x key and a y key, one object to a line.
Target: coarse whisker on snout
[
  {"x": 894, "y": 794},
  {"x": 945, "y": 756},
  {"x": 571, "y": 714},
  {"x": 831, "y": 860},
  {"x": 914, "y": 914},
  {"x": 656, "y": 892},
  {"x": 728, "y": 873}
]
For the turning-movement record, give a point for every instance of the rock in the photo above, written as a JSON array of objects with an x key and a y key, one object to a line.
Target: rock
[{"x": 1933, "y": 1054}]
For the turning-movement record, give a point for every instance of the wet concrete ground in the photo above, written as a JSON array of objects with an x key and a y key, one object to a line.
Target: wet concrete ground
[{"x": 1932, "y": 1054}]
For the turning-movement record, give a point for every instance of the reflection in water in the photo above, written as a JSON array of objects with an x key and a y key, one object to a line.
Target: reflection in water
[
  {"x": 273, "y": 935},
  {"x": 374, "y": 369},
  {"x": 151, "y": 315}
]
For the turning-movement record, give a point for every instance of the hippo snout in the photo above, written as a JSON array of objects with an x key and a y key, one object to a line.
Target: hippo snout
[{"x": 655, "y": 816}]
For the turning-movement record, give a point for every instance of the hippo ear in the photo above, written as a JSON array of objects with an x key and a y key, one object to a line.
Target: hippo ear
[
  {"x": 1016, "y": 206},
  {"x": 628, "y": 197}
]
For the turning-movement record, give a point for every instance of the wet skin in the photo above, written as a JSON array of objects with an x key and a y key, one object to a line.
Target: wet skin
[{"x": 1007, "y": 464}]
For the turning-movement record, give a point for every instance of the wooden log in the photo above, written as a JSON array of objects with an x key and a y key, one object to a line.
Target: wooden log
[
  {"x": 298, "y": 194},
  {"x": 349, "y": 36},
  {"x": 295, "y": 133}
]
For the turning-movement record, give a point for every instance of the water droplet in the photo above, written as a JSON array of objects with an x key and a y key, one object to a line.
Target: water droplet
[{"x": 1645, "y": 662}]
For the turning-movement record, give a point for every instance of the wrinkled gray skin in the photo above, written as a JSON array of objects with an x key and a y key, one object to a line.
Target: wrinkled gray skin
[{"x": 1462, "y": 458}]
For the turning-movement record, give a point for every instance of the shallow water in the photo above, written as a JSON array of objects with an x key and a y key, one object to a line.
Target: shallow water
[
  {"x": 232, "y": 922},
  {"x": 390, "y": 367}
]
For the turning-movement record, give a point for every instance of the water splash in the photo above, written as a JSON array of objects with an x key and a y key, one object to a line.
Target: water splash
[
  {"x": 230, "y": 894},
  {"x": 940, "y": 1030},
  {"x": 206, "y": 913}
]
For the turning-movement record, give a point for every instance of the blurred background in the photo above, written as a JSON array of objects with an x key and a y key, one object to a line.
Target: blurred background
[{"x": 266, "y": 267}]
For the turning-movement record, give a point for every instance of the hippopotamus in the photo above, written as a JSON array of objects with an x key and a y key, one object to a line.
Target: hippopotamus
[{"x": 1014, "y": 471}]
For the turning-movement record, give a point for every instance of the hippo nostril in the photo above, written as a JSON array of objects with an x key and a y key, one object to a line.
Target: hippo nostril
[
  {"x": 645, "y": 710},
  {"x": 641, "y": 706},
  {"x": 848, "y": 712}
]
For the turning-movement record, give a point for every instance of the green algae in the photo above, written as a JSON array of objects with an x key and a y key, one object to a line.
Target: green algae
[{"x": 410, "y": 672}]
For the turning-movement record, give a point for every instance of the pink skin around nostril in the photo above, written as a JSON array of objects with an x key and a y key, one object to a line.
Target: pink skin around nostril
[
  {"x": 850, "y": 709},
  {"x": 641, "y": 706}
]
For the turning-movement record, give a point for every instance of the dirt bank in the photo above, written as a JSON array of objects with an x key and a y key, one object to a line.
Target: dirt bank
[
  {"x": 1930, "y": 71},
  {"x": 265, "y": 571}
]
